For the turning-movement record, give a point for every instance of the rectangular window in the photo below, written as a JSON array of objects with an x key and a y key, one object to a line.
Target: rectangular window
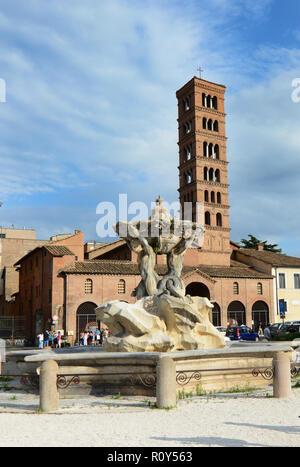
[
  {"x": 281, "y": 277},
  {"x": 297, "y": 281}
]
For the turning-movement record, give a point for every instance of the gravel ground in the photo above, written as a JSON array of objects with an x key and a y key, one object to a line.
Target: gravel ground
[{"x": 235, "y": 420}]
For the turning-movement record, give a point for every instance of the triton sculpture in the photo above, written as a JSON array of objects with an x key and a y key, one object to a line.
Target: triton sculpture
[{"x": 163, "y": 318}]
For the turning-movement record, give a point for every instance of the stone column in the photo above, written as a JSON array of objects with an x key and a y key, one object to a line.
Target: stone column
[
  {"x": 49, "y": 396},
  {"x": 165, "y": 383},
  {"x": 282, "y": 375}
]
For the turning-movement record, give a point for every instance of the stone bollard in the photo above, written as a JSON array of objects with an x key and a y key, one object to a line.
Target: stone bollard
[
  {"x": 282, "y": 375},
  {"x": 165, "y": 383},
  {"x": 49, "y": 396}
]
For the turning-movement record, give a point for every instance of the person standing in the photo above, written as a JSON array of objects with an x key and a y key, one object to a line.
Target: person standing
[
  {"x": 40, "y": 340},
  {"x": 85, "y": 338},
  {"x": 267, "y": 333},
  {"x": 54, "y": 339},
  {"x": 59, "y": 339},
  {"x": 97, "y": 337},
  {"x": 46, "y": 339},
  {"x": 50, "y": 338},
  {"x": 81, "y": 339}
]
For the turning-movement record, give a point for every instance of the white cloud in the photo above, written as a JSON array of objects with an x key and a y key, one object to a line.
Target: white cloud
[{"x": 264, "y": 151}]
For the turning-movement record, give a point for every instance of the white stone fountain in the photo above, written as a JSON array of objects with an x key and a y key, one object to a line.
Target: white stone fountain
[{"x": 163, "y": 319}]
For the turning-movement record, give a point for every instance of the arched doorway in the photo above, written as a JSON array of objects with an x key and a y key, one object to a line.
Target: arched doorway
[
  {"x": 85, "y": 317},
  {"x": 216, "y": 315},
  {"x": 197, "y": 289},
  {"x": 260, "y": 314},
  {"x": 236, "y": 313}
]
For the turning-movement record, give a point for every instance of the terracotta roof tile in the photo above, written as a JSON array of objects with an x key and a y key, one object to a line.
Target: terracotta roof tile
[
  {"x": 107, "y": 267},
  {"x": 58, "y": 250},
  {"x": 55, "y": 250},
  {"x": 275, "y": 259},
  {"x": 129, "y": 268},
  {"x": 234, "y": 272}
]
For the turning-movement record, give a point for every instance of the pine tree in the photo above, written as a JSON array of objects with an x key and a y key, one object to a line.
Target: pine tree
[{"x": 253, "y": 243}]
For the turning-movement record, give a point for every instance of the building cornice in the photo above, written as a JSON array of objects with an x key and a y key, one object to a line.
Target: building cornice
[
  {"x": 210, "y": 110},
  {"x": 211, "y": 134},
  {"x": 203, "y": 182}
]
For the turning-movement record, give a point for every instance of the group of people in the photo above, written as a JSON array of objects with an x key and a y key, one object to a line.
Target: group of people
[
  {"x": 49, "y": 339},
  {"x": 93, "y": 337},
  {"x": 54, "y": 338}
]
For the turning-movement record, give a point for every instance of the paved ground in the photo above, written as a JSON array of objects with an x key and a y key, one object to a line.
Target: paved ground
[{"x": 253, "y": 419}]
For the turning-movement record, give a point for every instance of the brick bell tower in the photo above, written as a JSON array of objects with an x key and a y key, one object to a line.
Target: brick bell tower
[{"x": 203, "y": 166}]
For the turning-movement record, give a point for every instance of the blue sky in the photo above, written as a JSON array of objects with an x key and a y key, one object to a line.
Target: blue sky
[{"x": 91, "y": 111}]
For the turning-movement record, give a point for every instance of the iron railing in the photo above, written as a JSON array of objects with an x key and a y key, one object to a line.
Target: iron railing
[{"x": 148, "y": 379}]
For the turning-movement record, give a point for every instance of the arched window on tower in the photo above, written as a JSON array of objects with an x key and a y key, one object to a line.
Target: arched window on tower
[
  {"x": 210, "y": 125},
  {"x": 217, "y": 175},
  {"x": 188, "y": 152},
  {"x": 212, "y": 197},
  {"x": 186, "y": 104},
  {"x": 259, "y": 288},
  {"x": 205, "y": 173},
  {"x": 211, "y": 175},
  {"x": 208, "y": 101},
  {"x": 219, "y": 219},
  {"x": 216, "y": 151},
  {"x": 216, "y": 125},
  {"x": 88, "y": 286},
  {"x": 206, "y": 198},
  {"x": 187, "y": 127},
  {"x": 219, "y": 201},
  {"x": 204, "y": 123},
  {"x": 207, "y": 218},
  {"x": 188, "y": 176},
  {"x": 121, "y": 286},
  {"x": 205, "y": 149},
  {"x": 210, "y": 149},
  {"x": 215, "y": 103}
]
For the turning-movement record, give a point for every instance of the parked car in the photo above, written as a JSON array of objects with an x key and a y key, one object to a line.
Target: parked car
[
  {"x": 236, "y": 333},
  {"x": 288, "y": 331},
  {"x": 274, "y": 328}
]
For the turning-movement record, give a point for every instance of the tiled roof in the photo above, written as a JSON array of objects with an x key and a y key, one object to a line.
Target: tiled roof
[
  {"x": 275, "y": 259},
  {"x": 234, "y": 272},
  {"x": 107, "y": 267},
  {"x": 129, "y": 268},
  {"x": 55, "y": 250},
  {"x": 58, "y": 250}
]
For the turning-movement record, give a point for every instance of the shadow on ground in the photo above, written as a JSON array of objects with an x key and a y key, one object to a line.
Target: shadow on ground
[{"x": 212, "y": 441}]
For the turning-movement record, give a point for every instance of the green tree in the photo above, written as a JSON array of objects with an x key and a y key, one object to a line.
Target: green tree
[{"x": 253, "y": 243}]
